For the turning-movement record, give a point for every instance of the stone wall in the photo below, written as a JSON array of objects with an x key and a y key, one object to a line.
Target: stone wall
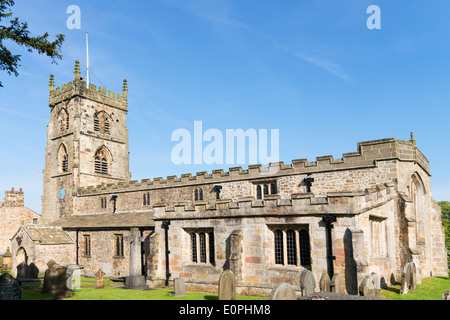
[{"x": 13, "y": 214}]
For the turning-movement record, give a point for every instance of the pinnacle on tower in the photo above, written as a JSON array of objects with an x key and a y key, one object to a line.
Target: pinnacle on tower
[
  {"x": 125, "y": 87},
  {"x": 77, "y": 70},
  {"x": 51, "y": 83},
  {"x": 412, "y": 138}
]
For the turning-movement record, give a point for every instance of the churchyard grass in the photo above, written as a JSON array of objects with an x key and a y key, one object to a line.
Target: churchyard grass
[{"x": 430, "y": 289}]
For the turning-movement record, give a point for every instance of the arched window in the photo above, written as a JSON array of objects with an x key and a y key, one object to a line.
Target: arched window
[
  {"x": 417, "y": 196},
  {"x": 212, "y": 256},
  {"x": 273, "y": 188},
  {"x": 279, "y": 246},
  {"x": 63, "y": 159},
  {"x": 146, "y": 201},
  {"x": 266, "y": 189},
  {"x": 305, "y": 249},
  {"x": 194, "y": 246},
  {"x": 63, "y": 120},
  {"x": 291, "y": 244},
  {"x": 101, "y": 161},
  {"x": 202, "y": 247},
  {"x": 102, "y": 122},
  {"x": 200, "y": 194},
  {"x": 196, "y": 195},
  {"x": 258, "y": 192}
]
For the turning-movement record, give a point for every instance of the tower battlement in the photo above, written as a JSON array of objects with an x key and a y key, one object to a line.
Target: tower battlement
[{"x": 79, "y": 87}]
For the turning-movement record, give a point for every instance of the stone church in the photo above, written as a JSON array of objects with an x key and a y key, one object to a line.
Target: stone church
[{"x": 370, "y": 211}]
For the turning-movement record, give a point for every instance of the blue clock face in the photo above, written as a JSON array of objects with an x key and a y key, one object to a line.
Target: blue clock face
[{"x": 62, "y": 194}]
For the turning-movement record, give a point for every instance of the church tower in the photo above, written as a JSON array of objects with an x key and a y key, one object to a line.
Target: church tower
[{"x": 87, "y": 143}]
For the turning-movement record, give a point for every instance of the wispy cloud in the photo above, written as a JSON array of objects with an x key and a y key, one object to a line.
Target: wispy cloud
[
  {"x": 23, "y": 114},
  {"x": 323, "y": 63}
]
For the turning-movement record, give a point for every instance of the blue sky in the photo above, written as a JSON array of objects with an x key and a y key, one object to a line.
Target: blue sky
[{"x": 311, "y": 69}]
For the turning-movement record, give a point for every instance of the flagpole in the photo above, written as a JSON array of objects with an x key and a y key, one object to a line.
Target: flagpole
[{"x": 87, "y": 59}]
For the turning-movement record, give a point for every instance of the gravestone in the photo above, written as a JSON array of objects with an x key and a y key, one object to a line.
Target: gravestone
[
  {"x": 9, "y": 288},
  {"x": 32, "y": 271},
  {"x": 324, "y": 282},
  {"x": 22, "y": 270},
  {"x": 47, "y": 285},
  {"x": 337, "y": 284},
  {"x": 370, "y": 286},
  {"x": 74, "y": 272},
  {"x": 179, "y": 287},
  {"x": 107, "y": 269},
  {"x": 307, "y": 283},
  {"x": 59, "y": 277},
  {"x": 283, "y": 291},
  {"x": 99, "y": 279},
  {"x": 409, "y": 278},
  {"x": 135, "y": 280},
  {"x": 227, "y": 286},
  {"x": 446, "y": 295}
]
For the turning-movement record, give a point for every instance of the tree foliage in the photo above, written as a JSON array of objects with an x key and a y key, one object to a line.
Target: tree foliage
[
  {"x": 445, "y": 209},
  {"x": 18, "y": 32}
]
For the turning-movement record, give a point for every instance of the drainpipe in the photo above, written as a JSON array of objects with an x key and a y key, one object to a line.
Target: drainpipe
[
  {"x": 165, "y": 226},
  {"x": 328, "y": 220}
]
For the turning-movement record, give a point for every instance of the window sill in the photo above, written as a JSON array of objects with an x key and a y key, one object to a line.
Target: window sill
[
  {"x": 118, "y": 257},
  {"x": 280, "y": 267}
]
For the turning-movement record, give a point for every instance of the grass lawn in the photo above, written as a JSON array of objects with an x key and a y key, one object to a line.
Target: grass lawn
[
  {"x": 112, "y": 292},
  {"x": 430, "y": 289}
]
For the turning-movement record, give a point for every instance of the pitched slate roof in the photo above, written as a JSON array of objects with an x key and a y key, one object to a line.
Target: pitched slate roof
[
  {"x": 107, "y": 220},
  {"x": 48, "y": 235}
]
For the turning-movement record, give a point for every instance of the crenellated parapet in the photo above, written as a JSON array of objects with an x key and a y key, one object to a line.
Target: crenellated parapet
[
  {"x": 78, "y": 87},
  {"x": 369, "y": 155},
  {"x": 335, "y": 203}
]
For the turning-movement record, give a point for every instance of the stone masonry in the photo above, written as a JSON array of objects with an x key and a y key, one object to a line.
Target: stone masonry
[{"x": 266, "y": 224}]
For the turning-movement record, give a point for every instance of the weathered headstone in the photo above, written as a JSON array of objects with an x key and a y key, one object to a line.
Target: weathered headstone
[
  {"x": 227, "y": 286},
  {"x": 32, "y": 271},
  {"x": 338, "y": 284},
  {"x": 324, "y": 282},
  {"x": 179, "y": 287},
  {"x": 307, "y": 283},
  {"x": 107, "y": 269},
  {"x": 99, "y": 279},
  {"x": 9, "y": 288},
  {"x": 446, "y": 295},
  {"x": 370, "y": 286},
  {"x": 59, "y": 283},
  {"x": 283, "y": 291},
  {"x": 135, "y": 280},
  {"x": 47, "y": 285},
  {"x": 409, "y": 278},
  {"x": 22, "y": 270},
  {"x": 74, "y": 272}
]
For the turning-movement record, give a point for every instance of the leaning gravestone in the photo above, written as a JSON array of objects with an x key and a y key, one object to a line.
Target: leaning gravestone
[
  {"x": 227, "y": 286},
  {"x": 59, "y": 283},
  {"x": 408, "y": 278},
  {"x": 307, "y": 283},
  {"x": 9, "y": 288},
  {"x": 283, "y": 291},
  {"x": 324, "y": 282},
  {"x": 47, "y": 285},
  {"x": 179, "y": 287}
]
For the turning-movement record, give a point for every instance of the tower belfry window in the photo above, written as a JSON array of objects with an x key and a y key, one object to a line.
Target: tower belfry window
[
  {"x": 101, "y": 161},
  {"x": 63, "y": 120},
  {"x": 102, "y": 122}
]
